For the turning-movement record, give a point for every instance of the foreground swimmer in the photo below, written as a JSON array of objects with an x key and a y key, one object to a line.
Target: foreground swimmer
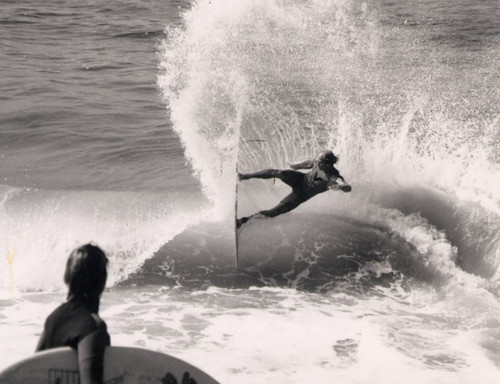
[
  {"x": 322, "y": 177},
  {"x": 76, "y": 323}
]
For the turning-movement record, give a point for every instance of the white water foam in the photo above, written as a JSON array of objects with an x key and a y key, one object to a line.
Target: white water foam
[{"x": 40, "y": 228}]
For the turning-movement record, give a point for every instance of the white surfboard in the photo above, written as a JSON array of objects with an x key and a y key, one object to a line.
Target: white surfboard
[
  {"x": 121, "y": 365},
  {"x": 236, "y": 230}
]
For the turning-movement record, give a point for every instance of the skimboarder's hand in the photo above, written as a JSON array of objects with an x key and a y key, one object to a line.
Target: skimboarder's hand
[{"x": 345, "y": 188}]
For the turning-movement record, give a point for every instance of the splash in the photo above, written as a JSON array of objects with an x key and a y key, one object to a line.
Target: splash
[
  {"x": 285, "y": 79},
  {"x": 206, "y": 93},
  {"x": 226, "y": 72}
]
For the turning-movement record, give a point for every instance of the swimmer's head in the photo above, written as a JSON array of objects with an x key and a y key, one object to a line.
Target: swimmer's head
[
  {"x": 86, "y": 273},
  {"x": 327, "y": 158}
]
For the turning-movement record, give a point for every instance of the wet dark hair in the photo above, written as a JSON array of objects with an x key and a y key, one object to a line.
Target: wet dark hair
[
  {"x": 327, "y": 157},
  {"x": 86, "y": 275}
]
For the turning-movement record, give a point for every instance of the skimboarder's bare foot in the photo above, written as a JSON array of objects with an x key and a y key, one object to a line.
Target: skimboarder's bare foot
[
  {"x": 241, "y": 221},
  {"x": 243, "y": 176}
]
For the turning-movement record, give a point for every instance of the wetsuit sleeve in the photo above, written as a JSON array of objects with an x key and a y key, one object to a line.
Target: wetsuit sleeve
[
  {"x": 337, "y": 182},
  {"x": 41, "y": 343},
  {"x": 340, "y": 180},
  {"x": 44, "y": 341},
  {"x": 91, "y": 354}
]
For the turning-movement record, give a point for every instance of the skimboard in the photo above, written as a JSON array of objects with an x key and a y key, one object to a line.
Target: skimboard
[
  {"x": 121, "y": 365},
  {"x": 236, "y": 229}
]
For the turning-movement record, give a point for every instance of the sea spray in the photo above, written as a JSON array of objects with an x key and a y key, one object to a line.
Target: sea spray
[
  {"x": 287, "y": 79},
  {"x": 232, "y": 72},
  {"x": 206, "y": 95},
  {"x": 41, "y": 227}
]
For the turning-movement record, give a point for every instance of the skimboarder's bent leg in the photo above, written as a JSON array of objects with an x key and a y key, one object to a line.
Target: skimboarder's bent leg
[{"x": 289, "y": 203}]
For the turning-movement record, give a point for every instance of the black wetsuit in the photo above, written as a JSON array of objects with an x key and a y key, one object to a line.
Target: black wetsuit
[
  {"x": 304, "y": 186},
  {"x": 72, "y": 324}
]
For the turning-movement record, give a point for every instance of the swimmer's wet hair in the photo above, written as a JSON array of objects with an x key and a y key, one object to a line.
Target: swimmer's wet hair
[
  {"x": 327, "y": 156},
  {"x": 86, "y": 273}
]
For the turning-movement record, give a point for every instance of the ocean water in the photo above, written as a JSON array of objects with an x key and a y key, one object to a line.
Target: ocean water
[{"x": 122, "y": 122}]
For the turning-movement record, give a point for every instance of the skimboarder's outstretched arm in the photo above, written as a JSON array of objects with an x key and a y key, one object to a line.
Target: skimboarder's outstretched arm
[
  {"x": 307, "y": 164},
  {"x": 338, "y": 183}
]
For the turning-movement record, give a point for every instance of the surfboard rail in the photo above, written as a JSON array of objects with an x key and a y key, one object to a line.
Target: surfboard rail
[{"x": 121, "y": 365}]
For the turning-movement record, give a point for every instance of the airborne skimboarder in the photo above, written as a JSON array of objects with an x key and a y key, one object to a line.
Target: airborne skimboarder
[{"x": 322, "y": 176}]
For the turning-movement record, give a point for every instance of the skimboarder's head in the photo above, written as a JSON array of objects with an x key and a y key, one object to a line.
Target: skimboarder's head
[
  {"x": 326, "y": 158},
  {"x": 86, "y": 274}
]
